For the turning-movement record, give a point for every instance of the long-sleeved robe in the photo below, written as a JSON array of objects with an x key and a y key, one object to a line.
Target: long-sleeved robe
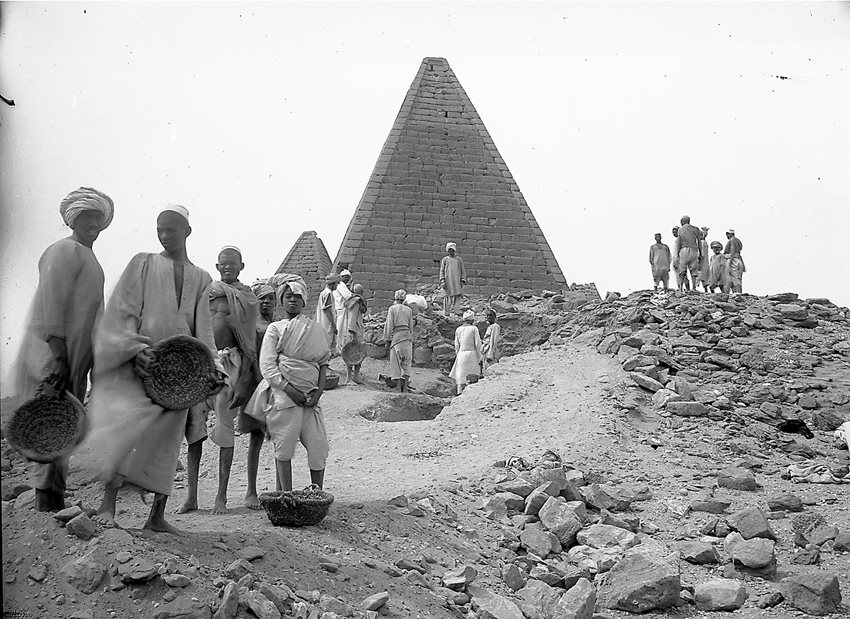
[
  {"x": 468, "y": 353},
  {"x": 130, "y": 434},
  {"x": 659, "y": 260},
  {"x": 453, "y": 277},
  {"x": 67, "y": 304},
  {"x": 352, "y": 320},
  {"x": 325, "y": 302},
  {"x": 735, "y": 267},
  {"x": 491, "y": 350}
]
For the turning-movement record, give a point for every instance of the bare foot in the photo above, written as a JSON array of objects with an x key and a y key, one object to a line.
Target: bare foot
[
  {"x": 220, "y": 507},
  {"x": 189, "y": 505},
  {"x": 105, "y": 518},
  {"x": 252, "y": 502},
  {"x": 159, "y": 525}
]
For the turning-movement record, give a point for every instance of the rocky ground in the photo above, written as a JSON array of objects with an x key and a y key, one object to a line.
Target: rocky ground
[{"x": 634, "y": 461}]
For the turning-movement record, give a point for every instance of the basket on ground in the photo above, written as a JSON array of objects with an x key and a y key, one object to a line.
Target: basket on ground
[
  {"x": 353, "y": 353},
  {"x": 182, "y": 373},
  {"x": 48, "y": 426},
  {"x": 296, "y": 508}
]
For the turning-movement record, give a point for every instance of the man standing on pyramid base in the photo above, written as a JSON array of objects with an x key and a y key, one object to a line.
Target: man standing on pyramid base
[{"x": 452, "y": 278}]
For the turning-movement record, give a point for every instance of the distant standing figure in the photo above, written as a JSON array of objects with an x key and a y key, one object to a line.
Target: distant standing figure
[
  {"x": 717, "y": 276},
  {"x": 679, "y": 281},
  {"x": 326, "y": 312},
  {"x": 58, "y": 342},
  {"x": 352, "y": 327},
  {"x": 736, "y": 267},
  {"x": 689, "y": 252},
  {"x": 492, "y": 341},
  {"x": 467, "y": 352},
  {"x": 659, "y": 260},
  {"x": 452, "y": 277},
  {"x": 342, "y": 293},
  {"x": 398, "y": 331},
  {"x": 704, "y": 258}
]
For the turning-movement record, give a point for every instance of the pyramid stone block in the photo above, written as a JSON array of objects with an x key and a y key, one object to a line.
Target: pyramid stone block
[{"x": 440, "y": 178}]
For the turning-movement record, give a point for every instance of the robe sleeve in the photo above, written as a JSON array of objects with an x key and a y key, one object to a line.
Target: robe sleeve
[
  {"x": 478, "y": 345},
  {"x": 494, "y": 345},
  {"x": 203, "y": 318},
  {"x": 462, "y": 271},
  {"x": 268, "y": 357},
  {"x": 457, "y": 342},
  {"x": 389, "y": 324},
  {"x": 118, "y": 340},
  {"x": 58, "y": 270},
  {"x": 443, "y": 269}
]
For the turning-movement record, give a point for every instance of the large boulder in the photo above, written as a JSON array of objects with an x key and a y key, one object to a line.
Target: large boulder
[
  {"x": 751, "y": 522},
  {"x": 490, "y": 605},
  {"x": 737, "y": 478},
  {"x": 404, "y": 407},
  {"x": 816, "y": 592},
  {"x": 605, "y": 535},
  {"x": 183, "y": 608},
  {"x": 560, "y": 519},
  {"x": 86, "y": 572},
  {"x": 646, "y": 578},
  {"x": 602, "y": 496},
  {"x": 720, "y": 594},
  {"x": 578, "y": 602},
  {"x": 539, "y": 600}
]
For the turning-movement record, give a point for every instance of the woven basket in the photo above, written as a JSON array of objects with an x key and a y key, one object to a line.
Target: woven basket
[
  {"x": 353, "y": 353},
  {"x": 48, "y": 426},
  {"x": 331, "y": 380},
  {"x": 181, "y": 374},
  {"x": 296, "y": 508}
]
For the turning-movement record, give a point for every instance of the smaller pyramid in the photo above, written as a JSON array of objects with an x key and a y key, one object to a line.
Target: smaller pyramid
[{"x": 309, "y": 259}]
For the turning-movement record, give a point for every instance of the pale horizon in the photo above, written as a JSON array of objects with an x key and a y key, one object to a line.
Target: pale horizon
[{"x": 266, "y": 119}]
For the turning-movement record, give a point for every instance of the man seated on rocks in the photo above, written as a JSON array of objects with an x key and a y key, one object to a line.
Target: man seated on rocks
[{"x": 294, "y": 361}]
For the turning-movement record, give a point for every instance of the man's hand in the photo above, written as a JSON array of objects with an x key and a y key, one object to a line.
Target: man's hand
[
  {"x": 313, "y": 397},
  {"x": 58, "y": 373},
  {"x": 296, "y": 396},
  {"x": 142, "y": 361}
]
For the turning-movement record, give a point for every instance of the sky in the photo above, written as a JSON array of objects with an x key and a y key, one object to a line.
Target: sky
[{"x": 266, "y": 119}]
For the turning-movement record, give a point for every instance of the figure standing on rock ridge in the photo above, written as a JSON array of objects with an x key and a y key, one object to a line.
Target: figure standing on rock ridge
[
  {"x": 452, "y": 278},
  {"x": 736, "y": 267},
  {"x": 468, "y": 349},
  {"x": 659, "y": 260},
  {"x": 688, "y": 243},
  {"x": 703, "y": 258},
  {"x": 679, "y": 280},
  {"x": 717, "y": 276},
  {"x": 58, "y": 341}
]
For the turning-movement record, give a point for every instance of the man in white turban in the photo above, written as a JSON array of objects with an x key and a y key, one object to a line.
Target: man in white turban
[
  {"x": 398, "y": 332},
  {"x": 58, "y": 342},
  {"x": 326, "y": 312},
  {"x": 452, "y": 277}
]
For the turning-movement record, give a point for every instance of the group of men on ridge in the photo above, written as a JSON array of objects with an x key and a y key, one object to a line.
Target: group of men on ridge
[{"x": 722, "y": 271}]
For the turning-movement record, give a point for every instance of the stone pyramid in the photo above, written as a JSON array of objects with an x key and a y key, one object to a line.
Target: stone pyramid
[
  {"x": 309, "y": 259},
  {"x": 440, "y": 178}
]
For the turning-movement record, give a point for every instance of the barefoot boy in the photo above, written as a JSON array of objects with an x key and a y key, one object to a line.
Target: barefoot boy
[
  {"x": 132, "y": 439},
  {"x": 234, "y": 321},
  {"x": 294, "y": 360}
]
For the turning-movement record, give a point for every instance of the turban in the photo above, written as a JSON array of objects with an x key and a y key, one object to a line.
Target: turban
[
  {"x": 451, "y": 246},
  {"x": 332, "y": 278},
  {"x": 716, "y": 244},
  {"x": 296, "y": 288},
  {"x": 229, "y": 248},
  {"x": 86, "y": 199},
  {"x": 261, "y": 290},
  {"x": 180, "y": 210},
  {"x": 468, "y": 316},
  {"x": 357, "y": 289},
  {"x": 730, "y": 231},
  {"x": 400, "y": 294},
  {"x": 344, "y": 272}
]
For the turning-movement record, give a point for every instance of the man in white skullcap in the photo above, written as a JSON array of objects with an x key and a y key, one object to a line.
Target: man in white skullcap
[
  {"x": 341, "y": 294},
  {"x": 398, "y": 330},
  {"x": 735, "y": 264},
  {"x": 133, "y": 440},
  {"x": 452, "y": 277},
  {"x": 58, "y": 341},
  {"x": 234, "y": 321},
  {"x": 326, "y": 312}
]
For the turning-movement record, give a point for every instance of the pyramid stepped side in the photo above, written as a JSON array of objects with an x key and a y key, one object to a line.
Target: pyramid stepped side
[
  {"x": 440, "y": 178},
  {"x": 309, "y": 259}
]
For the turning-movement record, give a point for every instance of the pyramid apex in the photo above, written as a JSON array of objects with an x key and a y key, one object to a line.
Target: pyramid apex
[{"x": 434, "y": 60}]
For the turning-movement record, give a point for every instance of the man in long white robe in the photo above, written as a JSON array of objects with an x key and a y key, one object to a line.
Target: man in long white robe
[
  {"x": 58, "y": 342},
  {"x": 133, "y": 439},
  {"x": 326, "y": 315},
  {"x": 452, "y": 277}
]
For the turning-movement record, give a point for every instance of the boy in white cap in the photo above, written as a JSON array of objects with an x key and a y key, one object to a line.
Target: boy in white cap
[
  {"x": 234, "y": 310},
  {"x": 398, "y": 332},
  {"x": 326, "y": 315},
  {"x": 452, "y": 277},
  {"x": 58, "y": 341},
  {"x": 132, "y": 439}
]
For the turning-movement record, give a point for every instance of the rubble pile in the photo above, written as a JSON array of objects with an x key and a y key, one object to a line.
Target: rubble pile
[{"x": 766, "y": 363}]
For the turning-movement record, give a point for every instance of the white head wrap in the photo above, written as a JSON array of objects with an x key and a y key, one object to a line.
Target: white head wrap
[
  {"x": 730, "y": 231},
  {"x": 400, "y": 294},
  {"x": 230, "y": 248},
  {"x": 469, "y": 315},
  {"x": 296, "y": 288},
  {"x": 451, "y": 246},
  {"x": 344, "y": 272},
  {"x": 86, "y": 199},
  {"x": 179, "y": 209}
]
